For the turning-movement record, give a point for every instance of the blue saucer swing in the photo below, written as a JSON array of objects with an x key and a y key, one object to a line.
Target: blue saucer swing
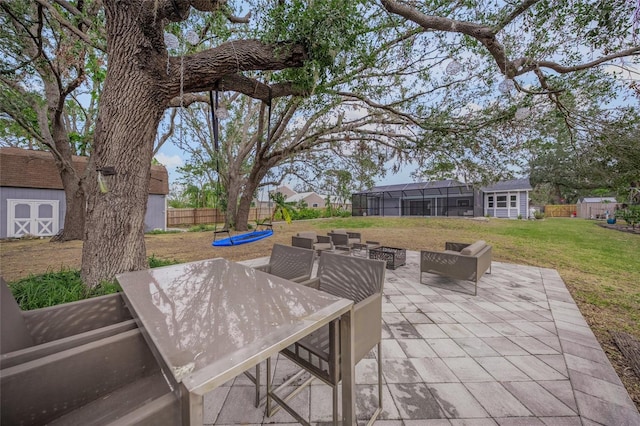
[{"x": 247, "y": 237}]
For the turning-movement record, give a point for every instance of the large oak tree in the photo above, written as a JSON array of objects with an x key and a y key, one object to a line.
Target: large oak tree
[
  {"x": 49, "y": 48},
  {"x": 141, "y": 81}
]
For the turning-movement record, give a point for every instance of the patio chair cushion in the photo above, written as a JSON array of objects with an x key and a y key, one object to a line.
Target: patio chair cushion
[
  {"x": 473, "y": 249},
  {"x": 323, "y": 246}
]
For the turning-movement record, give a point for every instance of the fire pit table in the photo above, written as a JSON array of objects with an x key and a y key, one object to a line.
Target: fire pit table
[{"x": 392, "y": 255}]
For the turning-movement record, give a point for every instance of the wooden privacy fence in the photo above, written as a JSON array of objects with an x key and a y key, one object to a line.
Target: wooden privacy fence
[
  {"x": 208, "y": 216},
  {"x": 561, "y": 210}
]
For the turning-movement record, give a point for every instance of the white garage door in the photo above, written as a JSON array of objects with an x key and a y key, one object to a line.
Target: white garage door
[{"x": 33, "y": 217}]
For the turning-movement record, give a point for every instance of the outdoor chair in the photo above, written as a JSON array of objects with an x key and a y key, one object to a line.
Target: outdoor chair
[
  {"x": 354, "y": 278},
  {"x": 294, "y": 264},
  {"x": 352, "y": 237},
  {"x": 79, "y": 363},
  {"x": 313, "y": 241},
  {"x": 459, "y": 260}
]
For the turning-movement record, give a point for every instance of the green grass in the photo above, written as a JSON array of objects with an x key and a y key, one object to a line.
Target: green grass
[
  {"x": 161, "y": 232},
  {"x": 63, "y": 286},
  {"x": 601, "y": 267}
]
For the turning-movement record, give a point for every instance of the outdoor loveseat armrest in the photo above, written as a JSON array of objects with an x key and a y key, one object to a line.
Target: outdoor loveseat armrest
[
  {"x": 303, "y": 242},
  {"x": 267, "y": 268},
  {"x": 339, "y": 239},
  {"x": 451, "y": 246},
  {"x": 324, "y": 239},
  {"x": 312, "y": 282},
  {"x": 264, "y": 267},
  {"x": 354, "y": 234}
]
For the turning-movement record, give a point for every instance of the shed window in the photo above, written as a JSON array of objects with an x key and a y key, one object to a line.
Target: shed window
[
  {"x": 501, "y": 201},
  {"x": 314, "y": 205},
  {"x": 490, "y": 201},
  {"x": 513, "y": 201}
]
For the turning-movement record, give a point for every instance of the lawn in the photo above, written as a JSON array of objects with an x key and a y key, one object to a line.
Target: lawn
[{"x": 601, "y": 267}]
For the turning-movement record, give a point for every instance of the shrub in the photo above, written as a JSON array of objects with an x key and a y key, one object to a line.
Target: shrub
[
  {"x": 64, "y": 286},
  {"x": 305, "y": 213},
  {"x": 201, "y": 228},
  {"x": 630, "y": 214},
  {"x": 54, "y": 288},
  {"x": 538, "y": 215},
  {"x": 160, "y": 231}
]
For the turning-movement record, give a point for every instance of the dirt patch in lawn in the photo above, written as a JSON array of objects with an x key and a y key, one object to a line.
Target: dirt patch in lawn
[{"x": 19, "y": 258}]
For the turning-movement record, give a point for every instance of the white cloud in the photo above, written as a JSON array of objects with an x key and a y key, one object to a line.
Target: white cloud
[{"x": 169, "y": 161}]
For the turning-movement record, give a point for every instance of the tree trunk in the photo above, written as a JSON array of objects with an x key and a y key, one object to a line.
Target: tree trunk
[
  {"x": 139, "y": 85},
  {"x": 131, "y": 108},
  {"x": 244, "y": 207},
  {"x": 72, "y": 183},
  {"x": 234, "y": 185},
  {"x": 74, "y": 215}
]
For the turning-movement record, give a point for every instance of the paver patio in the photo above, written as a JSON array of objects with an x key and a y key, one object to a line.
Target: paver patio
[{"x": 518, "y": 353}]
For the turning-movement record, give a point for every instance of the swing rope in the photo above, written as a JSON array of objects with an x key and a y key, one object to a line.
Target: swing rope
[
  {"x": 269, "y": 224},
  {"x": 252, "y": 236},
  {"x": 216, "y": 146}
]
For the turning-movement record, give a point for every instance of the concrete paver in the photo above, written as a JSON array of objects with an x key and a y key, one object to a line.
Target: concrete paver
[{"x": 518, "y": 353}]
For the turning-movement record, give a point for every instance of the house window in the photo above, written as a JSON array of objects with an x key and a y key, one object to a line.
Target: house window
[
  {"x": 501, "y": 201},
  {"x": 490, "y": 201},
  {"x": 314, "y": 205},
  {"x": 513, "y": 201}
]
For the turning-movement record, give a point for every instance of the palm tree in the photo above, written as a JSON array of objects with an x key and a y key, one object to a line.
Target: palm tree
[{"x": 282, "y": 209}]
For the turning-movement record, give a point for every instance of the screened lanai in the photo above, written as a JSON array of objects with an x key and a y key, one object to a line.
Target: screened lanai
[{"x": 439, "y": 198}]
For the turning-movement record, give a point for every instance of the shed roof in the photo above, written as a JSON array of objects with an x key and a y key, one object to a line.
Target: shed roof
[
  {"x": 598, "y": 200},
  {"x": 521, "y": 184},
  {"x": 25, "y": 168}
]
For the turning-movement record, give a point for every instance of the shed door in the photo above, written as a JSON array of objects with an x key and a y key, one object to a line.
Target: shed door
[{"x": 33, "y": 217}]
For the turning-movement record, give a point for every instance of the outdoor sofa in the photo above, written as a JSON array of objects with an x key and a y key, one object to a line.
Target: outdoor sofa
[
  {"x": 459, "y": 260},
  {"x": 343, "y": 237},
  {"x": 311, "y": 240},
  {"x": 80, "y": 363}
]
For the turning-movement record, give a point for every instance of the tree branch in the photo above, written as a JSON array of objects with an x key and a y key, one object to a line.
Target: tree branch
[
  {"x": 517, "y": 11},
  {"x": 561, "y": 69},
  {"x": 241, "y": 84},
  {"x": 75, "y": 30},
  {"x": 483, "y": 34},
  {"x": 204, "y": 69}
]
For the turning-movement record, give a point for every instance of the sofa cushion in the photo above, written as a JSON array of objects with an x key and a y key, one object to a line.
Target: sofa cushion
[
  {"x": 473, "y": 249},
  {"x": 322, "y": 246}
]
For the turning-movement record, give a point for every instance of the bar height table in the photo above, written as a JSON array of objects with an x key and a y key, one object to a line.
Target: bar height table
[{"x": 210, "y": 320}]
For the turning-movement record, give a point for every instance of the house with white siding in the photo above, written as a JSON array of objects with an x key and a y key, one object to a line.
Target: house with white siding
[
  {"x": 32, "y": 200},
  {"x": 507, "y": 199}
]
